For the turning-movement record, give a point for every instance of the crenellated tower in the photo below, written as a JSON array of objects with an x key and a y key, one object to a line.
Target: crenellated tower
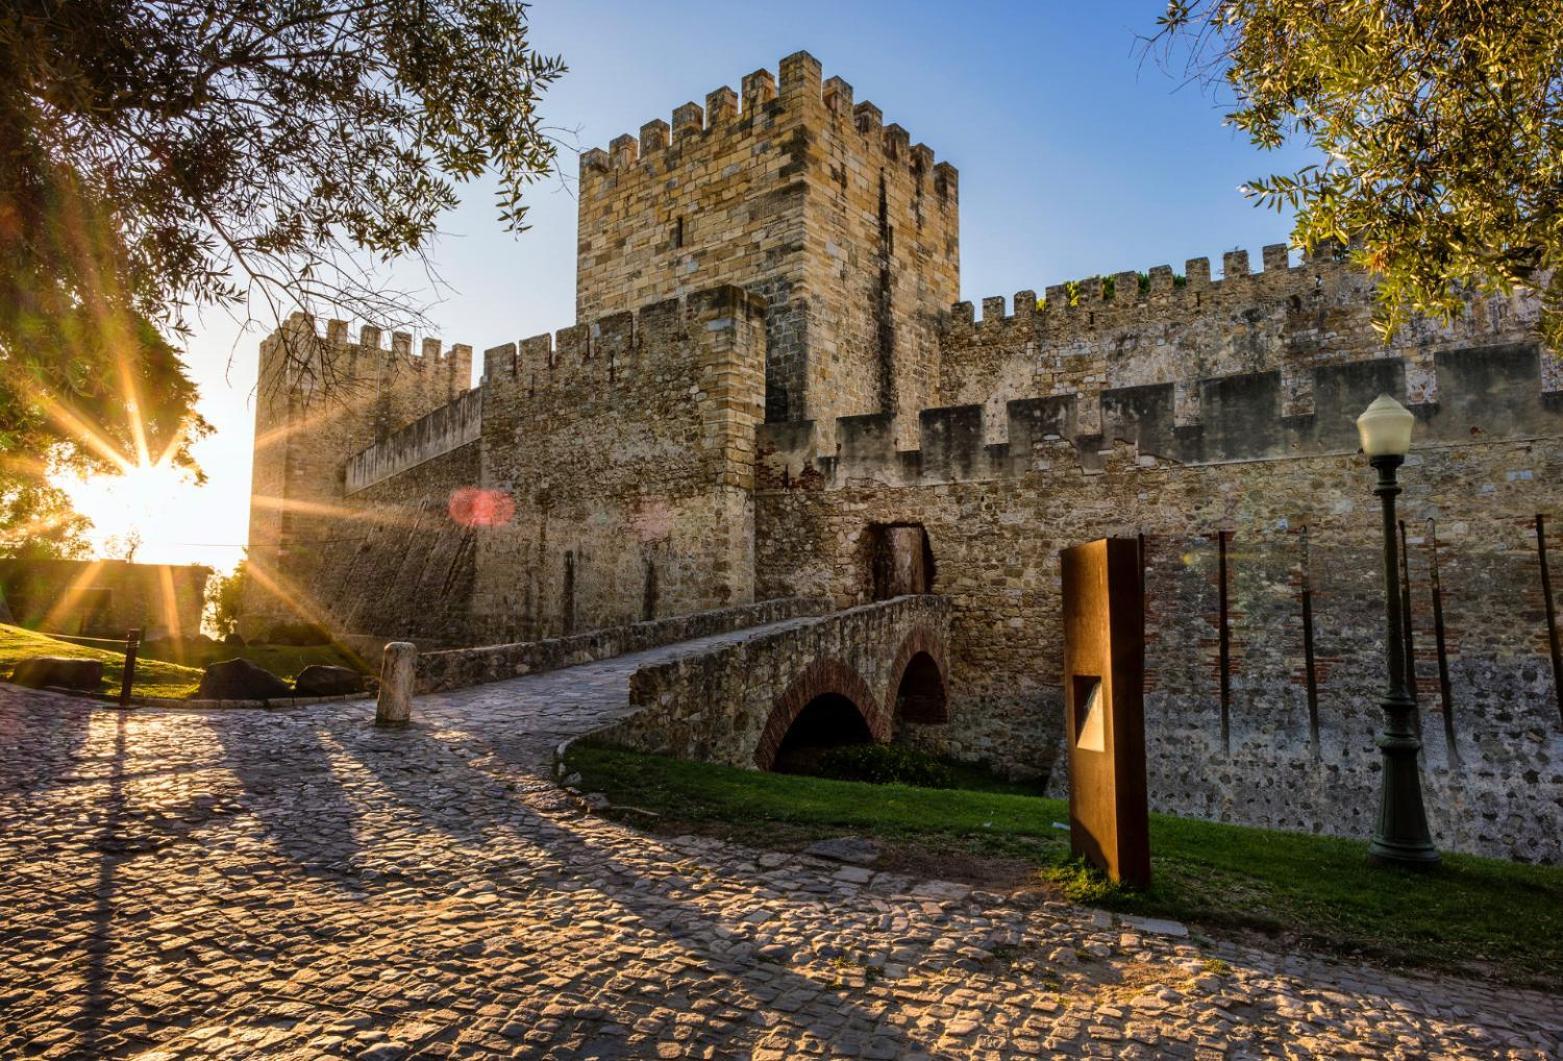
[
  {"x": 320, "y": 399},
  {"x": 845, "y": 228}
]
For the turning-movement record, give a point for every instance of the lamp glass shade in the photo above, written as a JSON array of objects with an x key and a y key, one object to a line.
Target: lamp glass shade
[{"x": 1385, "y": 428}]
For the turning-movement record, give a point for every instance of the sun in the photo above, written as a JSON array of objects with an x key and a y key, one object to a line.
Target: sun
[{"x": 142, "y": 502}]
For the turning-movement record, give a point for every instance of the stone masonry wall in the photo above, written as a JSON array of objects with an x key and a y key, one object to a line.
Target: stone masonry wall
[
  {"x": 1284, "y": 320},
  {"x": 404, "y": 565},
  {"x": 626, "y": 448},
  {"x": 452, "y": 425},
  {"x": 462, "y": 667},
  {"x": 104, "y": 598},
  {"x": 996, "y": 517}
]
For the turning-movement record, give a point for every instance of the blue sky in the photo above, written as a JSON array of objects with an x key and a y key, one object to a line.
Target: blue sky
[{"x": 1075, "y": 156}]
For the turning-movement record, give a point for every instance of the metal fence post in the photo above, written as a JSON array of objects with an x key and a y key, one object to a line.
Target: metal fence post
[{"x": 128, "y": 676}]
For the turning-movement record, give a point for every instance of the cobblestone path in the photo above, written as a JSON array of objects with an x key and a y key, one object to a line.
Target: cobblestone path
[{"x": 299, "y": 884}]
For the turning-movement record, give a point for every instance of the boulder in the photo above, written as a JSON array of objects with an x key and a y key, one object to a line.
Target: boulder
[
  {"x": 56, "y": 672},
  {"x": 319, "y": 679},
  {"x": 239, "y": 679},
  {"x": 233, "y": 637},
  {"x": 853, "y": 849}
]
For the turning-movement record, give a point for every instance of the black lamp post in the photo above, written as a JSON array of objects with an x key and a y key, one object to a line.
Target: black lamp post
[{"x": 1402, "y": 837}]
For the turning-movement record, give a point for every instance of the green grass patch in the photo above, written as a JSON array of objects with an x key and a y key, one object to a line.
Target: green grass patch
[
  {"x": 1474, "y": 915},
  {"x": 169, "y": 668},
  {"x": 153, "y": 677},
  {"x": 285, "y": 661}
]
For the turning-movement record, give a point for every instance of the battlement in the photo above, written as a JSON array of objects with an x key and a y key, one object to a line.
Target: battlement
[
  {"x": 1077, "y": 303},
  {"x": 390, "y": 352},
  {"x": 766, "y": 100},
  {"x": 1488, "y": 393},
  {"x": 616, "y": 348}
]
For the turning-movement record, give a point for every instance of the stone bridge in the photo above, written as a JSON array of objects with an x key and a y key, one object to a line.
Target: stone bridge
[{"x": 866, "y": 673}]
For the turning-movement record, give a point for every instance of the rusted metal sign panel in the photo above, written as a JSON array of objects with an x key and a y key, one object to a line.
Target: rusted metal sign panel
[{"x": 1104, "y": 710}]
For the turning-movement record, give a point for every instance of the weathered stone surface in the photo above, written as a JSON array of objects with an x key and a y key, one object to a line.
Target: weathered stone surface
[
  {"x": 59, "y": 672},
  {"x": 459, "y": 668},
  {"x": 239, "y": 679},
  {"x": 398, "y": 672},
  {"x": 735, "y": 703},
  {"x": 320, "y": 679}
]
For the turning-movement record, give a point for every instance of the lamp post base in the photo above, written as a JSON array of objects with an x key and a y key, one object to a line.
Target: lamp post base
[{"x": 1406, "y": 856}]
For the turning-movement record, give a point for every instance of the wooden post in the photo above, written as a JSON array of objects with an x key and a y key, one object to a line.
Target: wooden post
[
  {"x": 128, "y": 676},
  {"x": 1552, "y": 611},
  {"x": 1443, "y": 652},
  {"x": 398, "y": 670},
  {"x": 1308, "y": 650},
  {"x": 1225, "y": 653}
]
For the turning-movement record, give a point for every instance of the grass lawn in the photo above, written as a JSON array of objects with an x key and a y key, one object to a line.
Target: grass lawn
[
  {"x": 1477, "y": 916},
  {"x": 176, "y": 676},
  {"x": 153, "y": 677},
  {"x": 283, "y": 660}
]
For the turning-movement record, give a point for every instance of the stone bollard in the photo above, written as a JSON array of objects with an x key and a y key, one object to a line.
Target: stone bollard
[{"x": 397, "y": 672}]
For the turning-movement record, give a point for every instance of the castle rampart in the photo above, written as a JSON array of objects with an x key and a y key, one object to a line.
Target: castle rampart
[
  {"x": 1489, "y": 392},
  {"x": 1286, "y": 319},
  {"x": 457, "y": 423},
  {"x": 320, "y": 399}
]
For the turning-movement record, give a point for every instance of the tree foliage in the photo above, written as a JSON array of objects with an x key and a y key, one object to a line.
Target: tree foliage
[
  {"x": 1440, "y": 126},
  {"x": 160, "y": 156},
  {"x": 225, "y": 600},
  {"x": 37, "y": 521}
]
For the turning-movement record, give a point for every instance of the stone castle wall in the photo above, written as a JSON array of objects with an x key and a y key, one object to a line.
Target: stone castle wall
[
  {"x": 398, "y": 563},
  {"x": 627, "y": 449},
  {"x": 997, "y": 514},
  {"x": 846, "y": 230},
  {"x": 595, "y": 478},
  {"x": 1183, "y": 331},
  {"x": 766, "y": 373}
]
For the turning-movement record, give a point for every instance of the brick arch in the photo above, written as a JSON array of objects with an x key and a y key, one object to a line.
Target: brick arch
[
  {"x": 818, "y": 678},
  {"x": 920, "y": 639}
]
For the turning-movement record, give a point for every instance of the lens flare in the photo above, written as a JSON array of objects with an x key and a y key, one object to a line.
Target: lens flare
[{"x": 473, "y": 506}]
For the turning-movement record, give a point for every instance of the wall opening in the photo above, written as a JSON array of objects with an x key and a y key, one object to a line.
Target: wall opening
[
  {"x": 900, "y": 560},
  {"x": 678, "y": 232},
  {"x": 569, "y": 592},
  {"x": 828, "y": 721},
  {"x": 648, "y": 596},
  {"x": 921, "y": 696}
]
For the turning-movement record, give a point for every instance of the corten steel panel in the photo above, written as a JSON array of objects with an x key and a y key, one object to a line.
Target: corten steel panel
[{"x": 1104, "y": 711}]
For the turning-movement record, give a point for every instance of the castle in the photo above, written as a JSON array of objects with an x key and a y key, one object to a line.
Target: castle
[{"x": 771, "y": 389}]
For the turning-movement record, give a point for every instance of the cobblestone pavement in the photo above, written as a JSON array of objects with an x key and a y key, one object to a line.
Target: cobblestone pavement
[{"x": 300, "y": 884}]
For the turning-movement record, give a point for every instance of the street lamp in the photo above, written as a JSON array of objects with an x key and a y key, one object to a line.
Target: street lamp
[{"x": 1402, "y": 837}]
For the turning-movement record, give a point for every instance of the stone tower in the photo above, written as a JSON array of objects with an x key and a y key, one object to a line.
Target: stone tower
[
  {"x": 846, "y": 229},
  {"x": 318, "y": 401}
]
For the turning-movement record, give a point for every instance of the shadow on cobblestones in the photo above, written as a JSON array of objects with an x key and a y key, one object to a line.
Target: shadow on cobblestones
[
  {"x": 96, "y": 1001},
  {"x": 292, "y": 788},
  {"x": 654, "y": 893},
  {"x": 40, "y": 746},
  {"x": 299, "y": 883}
]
